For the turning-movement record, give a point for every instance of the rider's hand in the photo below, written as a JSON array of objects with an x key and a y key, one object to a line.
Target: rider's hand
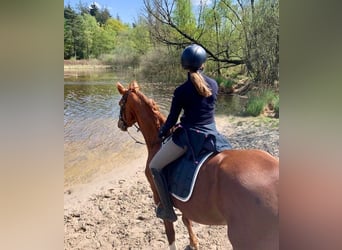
[{"x": 162, "y": 133}]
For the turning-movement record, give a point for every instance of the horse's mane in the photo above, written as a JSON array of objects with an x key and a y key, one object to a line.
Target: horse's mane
[{"x": 151, "y": 104}]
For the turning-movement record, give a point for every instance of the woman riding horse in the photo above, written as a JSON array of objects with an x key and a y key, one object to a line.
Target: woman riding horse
[
  {"x": 196, "y": 97},
  {"x": 237, "y": 187}
]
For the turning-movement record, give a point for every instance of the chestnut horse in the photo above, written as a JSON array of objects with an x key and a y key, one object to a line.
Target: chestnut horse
[{"x": 237, "y": 188}]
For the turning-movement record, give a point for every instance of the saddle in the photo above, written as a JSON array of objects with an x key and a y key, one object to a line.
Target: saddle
[{"x": 181, "y": 175}]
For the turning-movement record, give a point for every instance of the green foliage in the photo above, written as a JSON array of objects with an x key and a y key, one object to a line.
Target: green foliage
[
  {"x": 255, "y": 106},
  {"x": 184, "y": 17},
  {"x": 258, "y": 101},
  {"x": 276, "y": 106},
  {"x": 131, "y": 44},
  {"x": 262, "y": 41},
  {"x": 69, "y": 32},
  {"x": 68, "y": 41},
  {"x": 90, "y": 29},
  {"x": 224, "y": 82},
  {"x": 116, "y": 25},
  {"x": 140, "y": 37},
  {"x": 162, "y": 65},
  {"x": 89, "y": 34}
]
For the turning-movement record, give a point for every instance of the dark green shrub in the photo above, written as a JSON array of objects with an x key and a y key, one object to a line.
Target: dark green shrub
[
  {"x": 258, "y": 101},
  {"x": 224, "y": 82},
  {"x": 255, "y": 106}
]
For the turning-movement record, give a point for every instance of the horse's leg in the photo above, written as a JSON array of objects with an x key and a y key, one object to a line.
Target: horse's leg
[
  {"x": 194, "y": 244},
  {"x": 240, "y": 239},
  {"x": 169, "y": 229},
  {"x": 253, "y": 227},
  {"x": 170, "y": 233},
  {"x": 256, "y": 224},
  {"x": 237, "y": 237}
]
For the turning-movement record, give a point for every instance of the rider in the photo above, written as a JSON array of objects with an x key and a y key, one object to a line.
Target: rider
[{"x": 196, "y": 97}]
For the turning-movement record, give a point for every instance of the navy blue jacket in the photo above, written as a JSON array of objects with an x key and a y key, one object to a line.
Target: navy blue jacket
[{"x": 198, "y": 110}]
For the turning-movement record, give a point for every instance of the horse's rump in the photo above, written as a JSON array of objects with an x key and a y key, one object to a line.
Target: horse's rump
[{"x": 255, "y": 171}]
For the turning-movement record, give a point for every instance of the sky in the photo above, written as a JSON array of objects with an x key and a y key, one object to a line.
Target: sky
[{"x": 127, "y": 10}]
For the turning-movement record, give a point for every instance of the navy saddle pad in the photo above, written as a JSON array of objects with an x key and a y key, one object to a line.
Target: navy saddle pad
[{"x": 181, "y": 175}]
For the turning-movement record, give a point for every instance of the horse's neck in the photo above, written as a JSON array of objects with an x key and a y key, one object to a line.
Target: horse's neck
[
  {"x": 149, "y": 132},
  {"x": 149, "y": 124}
]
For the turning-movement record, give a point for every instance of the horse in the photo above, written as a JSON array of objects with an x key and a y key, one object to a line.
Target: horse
[{"x": 237, "y": 188}]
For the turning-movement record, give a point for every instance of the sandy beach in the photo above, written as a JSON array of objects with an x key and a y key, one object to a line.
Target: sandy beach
[{"x": 116, "y": 210}]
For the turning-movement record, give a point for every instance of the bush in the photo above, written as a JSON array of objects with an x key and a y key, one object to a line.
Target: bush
[
  {"x": 162, "y": 65},
  {"x": 258, "y": 102},
  {"x": 223, "y": 82},
  {"x": 276, "y": 106},
  {"x": 255, "y": 106}
]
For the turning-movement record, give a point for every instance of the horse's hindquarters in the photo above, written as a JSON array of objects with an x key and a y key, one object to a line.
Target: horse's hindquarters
[{"x": 238, "y": 188}]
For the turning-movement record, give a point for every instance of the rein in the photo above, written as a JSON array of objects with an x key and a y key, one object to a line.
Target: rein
[{"x": 138, "y": 130}]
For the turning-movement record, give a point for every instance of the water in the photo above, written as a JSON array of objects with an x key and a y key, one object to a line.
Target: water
[{"x": 92, "y": 142}]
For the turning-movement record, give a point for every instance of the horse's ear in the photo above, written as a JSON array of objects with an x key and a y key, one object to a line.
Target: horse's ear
[
  {"x": 134, "y": 85},
  {"x": 121, "y": 88}
]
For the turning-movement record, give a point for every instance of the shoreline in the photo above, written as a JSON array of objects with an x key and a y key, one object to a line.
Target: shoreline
[
  {"x": 116, "y": 210},
  {"x": 86, "y": 67},
  {"x": 76, "y": 67}
]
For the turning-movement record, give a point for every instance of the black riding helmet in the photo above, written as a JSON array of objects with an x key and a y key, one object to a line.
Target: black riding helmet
[{"x": 193, "y": 57}]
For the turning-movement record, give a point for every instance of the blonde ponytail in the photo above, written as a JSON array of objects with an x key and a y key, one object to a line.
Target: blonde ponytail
[{"x": 200, "y": 84}]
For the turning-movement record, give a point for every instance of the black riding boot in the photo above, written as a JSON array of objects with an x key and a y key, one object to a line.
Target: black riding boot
[{"x": 165, "y": 212}]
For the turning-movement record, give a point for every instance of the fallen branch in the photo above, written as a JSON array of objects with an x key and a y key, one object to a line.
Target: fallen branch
[{"x": 243, "y": 90}]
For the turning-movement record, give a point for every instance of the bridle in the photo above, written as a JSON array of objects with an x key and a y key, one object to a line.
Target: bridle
[
  {"x": 122, "y": 103},
  {"x": 122, "y": 124}
]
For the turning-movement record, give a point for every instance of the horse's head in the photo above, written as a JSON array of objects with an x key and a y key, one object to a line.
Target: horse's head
[{"x": 127, "y": 117}]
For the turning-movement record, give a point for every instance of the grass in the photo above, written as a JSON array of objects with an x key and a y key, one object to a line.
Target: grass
[
  {"x": 224, "y": 82},
  {"x": 259, "y": 102},
  {"x": 255, "y": 106}
]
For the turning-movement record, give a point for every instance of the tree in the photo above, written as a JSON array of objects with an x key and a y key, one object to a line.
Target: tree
[
  {"x": 116, "y": 25},
  {"x": 164, "y": 22},
  {"x": 94, "y": 10},
  {"x": 263, "y": 46},
  {"x": 68, "y": 41},
  {"x": 183, "y": 16},
  {"x": 73, "y": 42},
  {"x": 232, "y": 32},
  {"x": 69, "y": 19},
  {"x": 258, "y": 25},
  {"x": 85, "y": 37},
  {"x": 140, "y": 38},
  {"x": 90, "y": 28},
  {"x": 80, "y": 38},
  {"x": 101, "y": 16}
]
